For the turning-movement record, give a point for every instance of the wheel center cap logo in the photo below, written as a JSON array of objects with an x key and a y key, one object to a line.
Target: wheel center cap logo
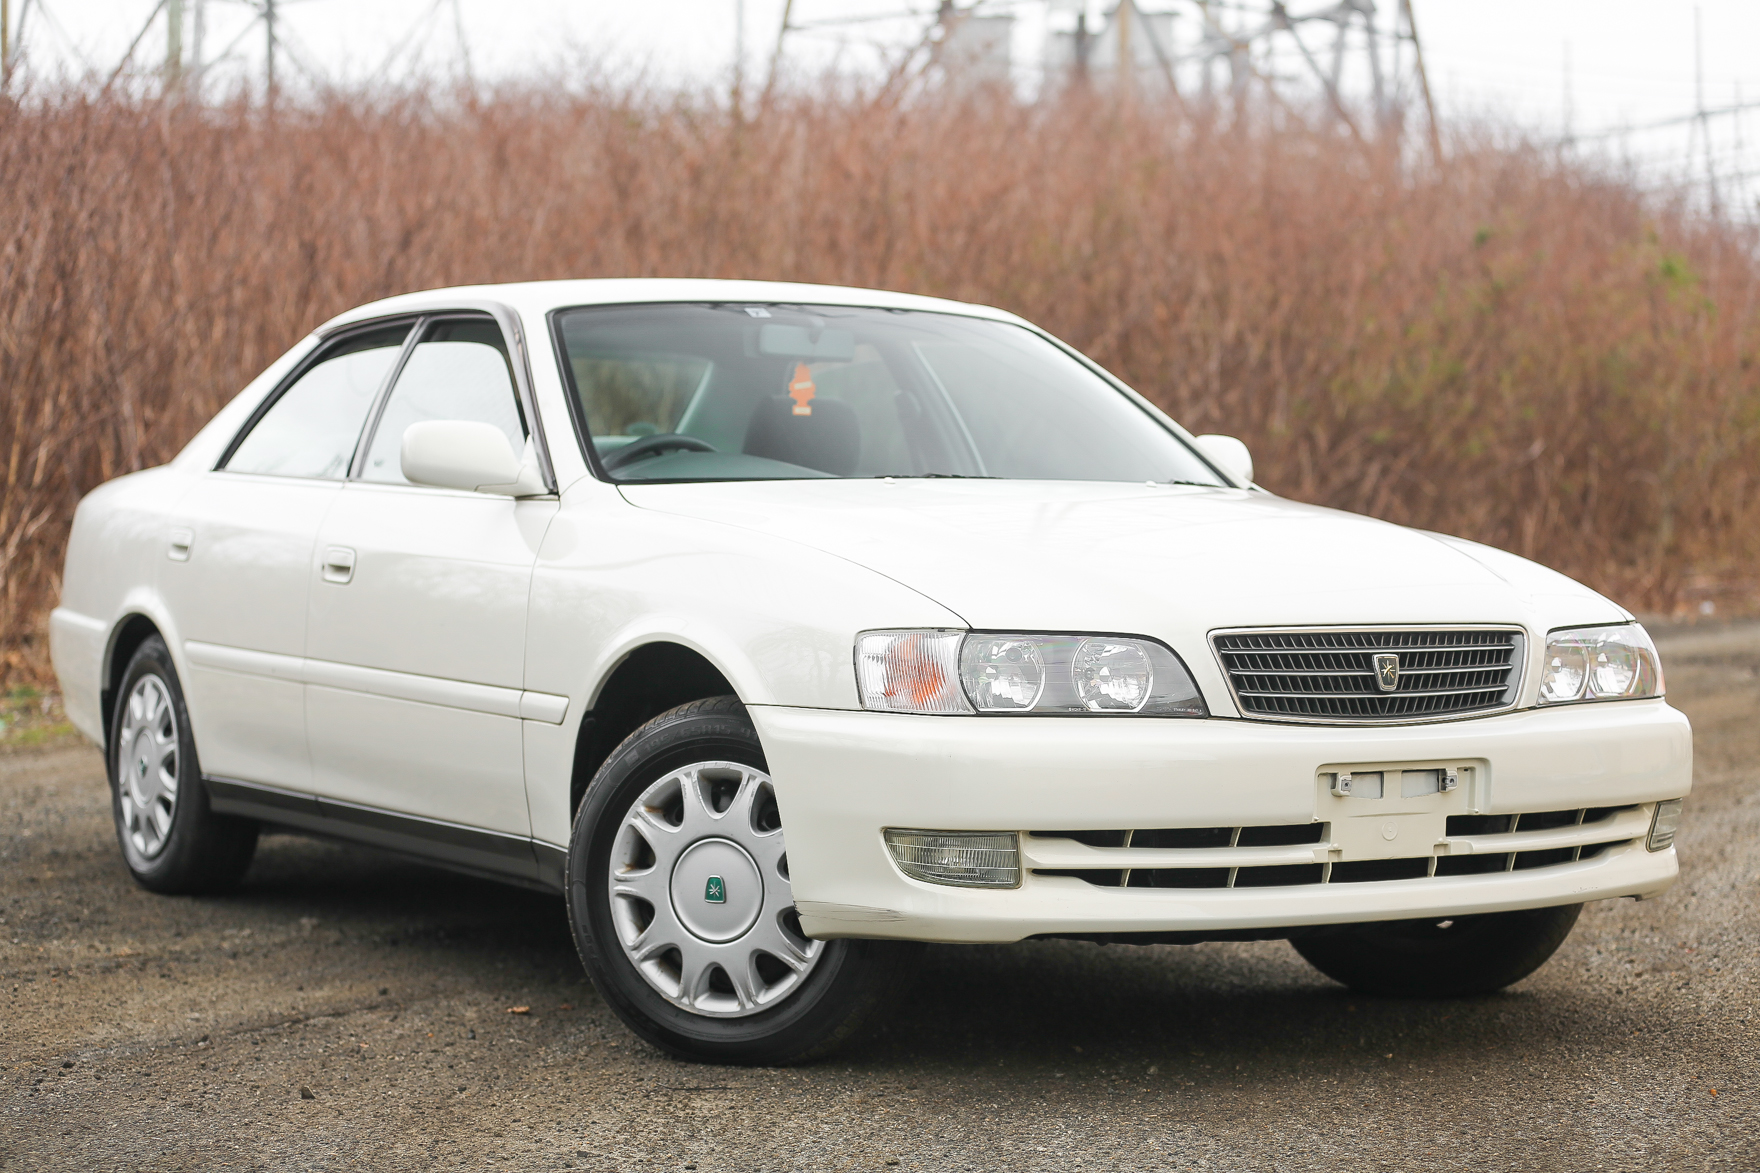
[
  {"x": 142, "y": 764},
  {"x": 715, "y": 891}
]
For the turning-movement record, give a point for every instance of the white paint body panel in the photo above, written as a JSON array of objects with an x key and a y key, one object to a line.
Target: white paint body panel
[
  {"x": 243, "y": 586},
  {"x": 438, "y": 591},
  {"x": 449, "y": 676}
]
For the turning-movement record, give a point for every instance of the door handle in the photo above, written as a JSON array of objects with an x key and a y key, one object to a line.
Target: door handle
[
  {"x": 181, "y": 541},
  {"x": 338, "y": 564}
]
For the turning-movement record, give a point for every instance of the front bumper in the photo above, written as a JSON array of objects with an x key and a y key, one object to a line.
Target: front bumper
[{"x": 843, "y": 777}]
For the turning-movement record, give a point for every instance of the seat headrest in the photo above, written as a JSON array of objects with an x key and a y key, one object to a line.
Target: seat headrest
[{"x": 830, "y": 439}]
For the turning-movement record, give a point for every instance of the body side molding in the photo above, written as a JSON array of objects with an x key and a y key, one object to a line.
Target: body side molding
[{"x": 403, "y": 686}]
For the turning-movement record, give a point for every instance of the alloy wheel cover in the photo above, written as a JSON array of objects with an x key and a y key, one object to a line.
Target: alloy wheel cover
[
  {"x": 147, "y": 766},
  {"x": 699, "y": 892}
]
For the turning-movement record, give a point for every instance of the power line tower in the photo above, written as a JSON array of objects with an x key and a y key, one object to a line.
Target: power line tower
[{"x": 1364, "y": 63}]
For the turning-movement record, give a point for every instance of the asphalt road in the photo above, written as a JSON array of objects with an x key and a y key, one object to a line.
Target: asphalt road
[{"x": 348, "y": 1010}]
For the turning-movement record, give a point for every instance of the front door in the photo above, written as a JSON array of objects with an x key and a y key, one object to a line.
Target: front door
[{"x": 415, "y": 643}]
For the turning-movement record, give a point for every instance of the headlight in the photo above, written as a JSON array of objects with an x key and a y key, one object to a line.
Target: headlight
[
  {"x": 1599, "y": 664},
  {"x": 947, "y": 672},
  {"x": 1002, "y": 675}
]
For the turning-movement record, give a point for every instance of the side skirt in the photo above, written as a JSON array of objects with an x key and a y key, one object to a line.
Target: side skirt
[{"x": 514, "y": 859}]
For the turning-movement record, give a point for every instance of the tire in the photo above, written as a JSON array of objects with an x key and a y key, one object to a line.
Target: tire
[
  {"x": 171, "y": 841},
  {"x": 694, "y": 941},
  {"x": 1440, "y": 958}
]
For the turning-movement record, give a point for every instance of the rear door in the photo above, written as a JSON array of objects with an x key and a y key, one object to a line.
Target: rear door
[
  {"x": 239, "y": 549},
  {"x": 415, "y": 641}
]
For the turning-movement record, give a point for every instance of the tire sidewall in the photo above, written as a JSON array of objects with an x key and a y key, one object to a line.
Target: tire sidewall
[{"x": 776, "y": 1034}]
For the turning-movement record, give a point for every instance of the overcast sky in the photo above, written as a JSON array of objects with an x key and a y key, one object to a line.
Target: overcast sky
[{"x": 1630, "y": 62}]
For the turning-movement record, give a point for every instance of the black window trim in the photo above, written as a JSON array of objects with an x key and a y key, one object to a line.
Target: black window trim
[{"x": 519, "y": 358}]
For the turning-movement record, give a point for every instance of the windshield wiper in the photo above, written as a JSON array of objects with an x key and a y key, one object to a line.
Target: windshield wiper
[{"x": 923, "y": 476}]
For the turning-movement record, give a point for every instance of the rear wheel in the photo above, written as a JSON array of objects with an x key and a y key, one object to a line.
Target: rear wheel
[
  {"x": 682, "y": 909},
  {"x": 171, "y": 841},
  {"x": 1440, "y": 957}
]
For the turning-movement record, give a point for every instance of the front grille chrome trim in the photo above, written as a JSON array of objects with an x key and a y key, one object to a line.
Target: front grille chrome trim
[{"x": 1264, "y": 668}]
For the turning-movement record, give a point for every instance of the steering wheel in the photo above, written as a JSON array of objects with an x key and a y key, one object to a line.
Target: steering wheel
[{"x": 652, "y": 445}]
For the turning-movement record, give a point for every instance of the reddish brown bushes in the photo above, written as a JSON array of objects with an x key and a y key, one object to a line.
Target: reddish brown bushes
[{"x": 1515, "y": 350}]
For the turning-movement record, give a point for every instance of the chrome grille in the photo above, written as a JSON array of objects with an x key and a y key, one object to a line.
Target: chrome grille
[{"x": 1330, "y": 674}]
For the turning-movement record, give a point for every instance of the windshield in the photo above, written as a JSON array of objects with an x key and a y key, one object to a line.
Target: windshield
[{"x": 768, "y": 392}]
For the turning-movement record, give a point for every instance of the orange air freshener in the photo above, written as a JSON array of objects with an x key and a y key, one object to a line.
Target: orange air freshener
[{"x": 801, "y": 389}]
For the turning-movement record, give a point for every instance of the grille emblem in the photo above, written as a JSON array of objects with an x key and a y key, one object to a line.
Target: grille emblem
[
  {"x": 1387, "y": 671},
  {"x": 715, "y": 891}
]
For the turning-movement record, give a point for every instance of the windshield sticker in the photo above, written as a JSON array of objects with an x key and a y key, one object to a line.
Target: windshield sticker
[
  {"x": 801, "y": 389},
  {"x": 757, "y": 311}
]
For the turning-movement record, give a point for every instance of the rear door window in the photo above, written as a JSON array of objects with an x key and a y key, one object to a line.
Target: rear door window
[{"x": 313, "y": 427}]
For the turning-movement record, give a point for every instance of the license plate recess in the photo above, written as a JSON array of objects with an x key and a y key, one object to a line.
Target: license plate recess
[{"x": 1395, "y": 809}]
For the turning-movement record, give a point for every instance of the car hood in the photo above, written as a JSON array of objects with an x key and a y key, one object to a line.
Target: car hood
[{"x": 1169, "y": 561}]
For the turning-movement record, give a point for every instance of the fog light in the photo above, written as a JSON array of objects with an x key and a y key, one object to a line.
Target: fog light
[
  {"x": 1663, "y": 826},
  {"x": 965, "y": 859}
]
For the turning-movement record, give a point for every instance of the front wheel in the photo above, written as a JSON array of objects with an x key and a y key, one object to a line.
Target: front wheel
[
  {"x": 682, "y": 909},
  {"x": 1440, "y": 957}
]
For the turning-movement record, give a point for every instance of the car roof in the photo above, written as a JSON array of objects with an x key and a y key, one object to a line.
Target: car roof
[{"x": 534, "y": 299}]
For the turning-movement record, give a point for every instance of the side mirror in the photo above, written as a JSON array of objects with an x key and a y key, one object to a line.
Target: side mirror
[
  {"x": 466, "y": 454},
  {"x": 1230, "y": 453}
]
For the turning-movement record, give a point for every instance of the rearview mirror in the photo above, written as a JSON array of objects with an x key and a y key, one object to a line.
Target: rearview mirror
[
  {"x": 1230, "y": 453},
  {"x": 832, "y": 344},
  {"x": 466, "y": 454}
]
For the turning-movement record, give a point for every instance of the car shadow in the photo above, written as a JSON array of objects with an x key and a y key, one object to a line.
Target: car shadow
[{"x": 1218, "y": 1013}]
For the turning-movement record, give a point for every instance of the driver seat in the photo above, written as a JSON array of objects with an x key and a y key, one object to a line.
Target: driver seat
[{"x": 829, "y": 440}]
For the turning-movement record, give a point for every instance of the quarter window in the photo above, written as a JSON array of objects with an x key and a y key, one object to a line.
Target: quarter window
[
  {"x": 458, "y": 371},
  {"x": 312, "y": 429}
]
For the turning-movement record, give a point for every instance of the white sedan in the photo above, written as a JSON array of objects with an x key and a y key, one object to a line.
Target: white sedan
[{"x": 606, "y": 587}]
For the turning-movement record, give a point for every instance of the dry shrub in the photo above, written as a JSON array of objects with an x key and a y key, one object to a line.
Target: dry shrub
[{"x": 1516, "y": 349}]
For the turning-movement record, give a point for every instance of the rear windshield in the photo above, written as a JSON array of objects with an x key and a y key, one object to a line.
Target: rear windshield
[{"x": 778, "y": 392}]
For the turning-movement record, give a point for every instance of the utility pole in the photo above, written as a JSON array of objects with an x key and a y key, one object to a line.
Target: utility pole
[
  {"x": 198, "y": 36},
  {"x": 464, "y": 45},
  {"x": 173, "y": 45},
  {"x": 1702, "y": 123},
  {"x": 5, "y": 42},
  {"x": 1423, "y": 81},
  {"x": 1570, "y": 108},
  {"x": 739, "y": 58},
  {"x": 1125, "y": 72},
  {"x": 269, "y": 56},
  {"x": 1084, "y": 40},
  {"x": 776, "y": 56}
]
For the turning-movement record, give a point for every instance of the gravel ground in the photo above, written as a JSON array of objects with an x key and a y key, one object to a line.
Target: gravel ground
[{"x": 346, "y": 1009}]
